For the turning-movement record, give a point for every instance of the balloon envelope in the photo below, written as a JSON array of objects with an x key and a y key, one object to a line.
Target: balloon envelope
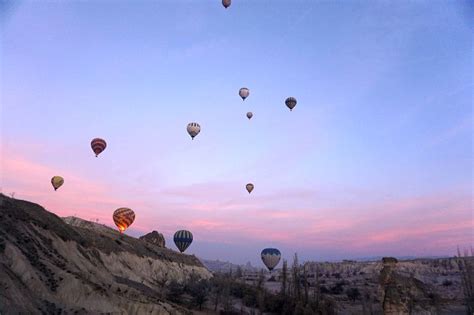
[
  {"x": 271, "y": 257},
  {"x": 193, "y": 129},
  {"x": 244, "y": 93},
  {"x": 226, "y": 3},
  {"x": 57, "y": 181},
  {"x": 290, "y": 102},
  {"x": 183, "y": 239},
  {"x": 249, "y": 187},
  {"x": 98, "y": 145},
  {"x": 123, "y": 218},
  {"x": 249, "y": 115}
]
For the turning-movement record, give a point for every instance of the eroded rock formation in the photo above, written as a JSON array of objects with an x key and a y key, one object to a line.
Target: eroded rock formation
[
  {"x": 154, "y": 238},
  {"x": 403, "y": 294}
]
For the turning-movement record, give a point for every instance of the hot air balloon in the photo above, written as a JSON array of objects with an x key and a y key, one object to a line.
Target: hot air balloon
[
  {"x": 249, "y": 115},
  {"x": 183, "y": 239},
  {"x": 290, "y": 103},
  {"x": 226, "y": 3},
  {"x": 123, "y": 218},
  {"x": 271, "y": 257},
  {"x": 249, "y": 187},
  {"x": 244, "y": 93},
  {"x": 193, "y": 129},
  {"x": 98, "y": 145},
  {"x": 57, "y": 181}
]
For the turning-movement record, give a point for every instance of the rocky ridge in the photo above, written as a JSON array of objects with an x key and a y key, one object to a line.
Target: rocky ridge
[{"x": 50, "y": 267}]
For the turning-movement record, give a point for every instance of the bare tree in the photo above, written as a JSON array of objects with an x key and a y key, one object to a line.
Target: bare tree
[
  {"x": 219, "y": 285},
  {"x": 366, "y": 303},
  {"x": 261, "y": 279},
  {"x": 261, "y": 292},
  {"x": 261, "y": 302},
  {"x": 239, "y": 273},
  {"x": 296, "y": 278},
  {"x": 306, "y": 288},
  {"x": 317, "y": 287},
  {"x": 227, "y": 300},
  {"x": 284, "y": 278}
]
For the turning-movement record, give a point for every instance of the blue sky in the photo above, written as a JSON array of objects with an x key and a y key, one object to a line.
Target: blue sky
[{"x": 384, "y": 113}]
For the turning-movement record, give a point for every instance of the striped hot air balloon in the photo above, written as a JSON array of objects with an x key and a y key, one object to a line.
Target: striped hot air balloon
[
  {"x": 244, "y": 93},
  {"x": 183, "y": 239},
  {"x": 271, "y": 257},
  {"x": 57, "y": 181},
  {"x": 290, "y": 103},
  {"x": 193, "y": 129},
  {"x": 123, "y": 218},
  {"x": 98, "y": 145}
]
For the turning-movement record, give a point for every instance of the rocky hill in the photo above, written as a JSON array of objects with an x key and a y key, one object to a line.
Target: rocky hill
[{"x": 51, "y": 266}]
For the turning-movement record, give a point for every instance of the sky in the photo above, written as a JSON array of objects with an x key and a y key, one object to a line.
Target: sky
[{"x": 376, "y": 158}]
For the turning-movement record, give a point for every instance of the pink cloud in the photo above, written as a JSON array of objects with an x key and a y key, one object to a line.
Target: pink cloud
[
  {"x": 217, "y": 212},
  {"x": 31, "y": 181},
  {"x": 398, "y": 234}
]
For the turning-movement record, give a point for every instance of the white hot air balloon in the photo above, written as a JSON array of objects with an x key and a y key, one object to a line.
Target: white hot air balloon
[
  {"x": 244, "y": 93},
  {"x": 193, "y": 129}
]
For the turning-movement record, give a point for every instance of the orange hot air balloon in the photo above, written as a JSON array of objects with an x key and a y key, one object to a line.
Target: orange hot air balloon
[
  {"x": 123, "y": 218},
  {"x": 98, "y": 145},
  {"x": 249, "y": 187}
]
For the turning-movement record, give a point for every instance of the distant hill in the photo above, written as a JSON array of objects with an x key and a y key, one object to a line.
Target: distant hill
[
  {"x": 49, "y": 265},
  {"x": 225, "y": 266},
  {"x": 378, "y": 258}
]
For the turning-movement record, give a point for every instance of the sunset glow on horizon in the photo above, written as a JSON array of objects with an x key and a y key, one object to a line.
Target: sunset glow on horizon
[{"x": 375, "y": 159}]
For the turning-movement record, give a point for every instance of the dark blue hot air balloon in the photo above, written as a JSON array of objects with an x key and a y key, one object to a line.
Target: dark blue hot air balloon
[
  {"x": 183, "y": 239},
  {"x": 271, "y": 257}
]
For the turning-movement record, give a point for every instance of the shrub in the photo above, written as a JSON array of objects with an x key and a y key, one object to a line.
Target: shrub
[
  {"x": 337, "y": 275},
  {"x": 353, "y": 294},
  {"x": 324, "y": 290},
  {"x": 175, "y": 290},
  {"x": 447, "y": 283},
  {"x": 337, "y": 289}
]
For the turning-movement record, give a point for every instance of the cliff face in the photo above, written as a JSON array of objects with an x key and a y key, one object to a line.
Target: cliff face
[{"x": 49, "y": 266}]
